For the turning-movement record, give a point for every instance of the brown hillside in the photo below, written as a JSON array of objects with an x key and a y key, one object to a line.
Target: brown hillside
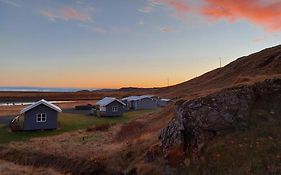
[{"x": 245, "y": 70}]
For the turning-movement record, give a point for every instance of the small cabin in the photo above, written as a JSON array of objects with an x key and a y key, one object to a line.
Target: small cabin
[
  {"x": 41, "y": 115},
  {"x": 140, "y": 102},
  {"x": 164, "y": 102},
  {"x": 110, "y": 106}
]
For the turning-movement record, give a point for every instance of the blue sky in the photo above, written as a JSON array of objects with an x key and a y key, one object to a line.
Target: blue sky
[{"x": 110, "y": 43}]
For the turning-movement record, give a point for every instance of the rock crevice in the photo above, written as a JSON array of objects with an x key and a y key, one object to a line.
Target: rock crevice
[{"x": 197, "y": 121}]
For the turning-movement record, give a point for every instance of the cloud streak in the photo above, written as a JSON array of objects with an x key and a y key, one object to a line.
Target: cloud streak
[
  {"x": 9, "y": 2},
  {"x": 72, "y": 14},
  {"x": 146, "y": 9},
  {"x": 165, "y": 29},
  {"x": 150, "y": 7},
  {"x": 66, "y": 14},
  {"x": 179, "y": 6},
  {"x": 112, "y": 31},
  {"x": 262, "y": 13},
  {"x": 49, "y": 14}
]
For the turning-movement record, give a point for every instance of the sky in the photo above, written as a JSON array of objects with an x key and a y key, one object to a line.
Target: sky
[{"x": 128, "y": 43}]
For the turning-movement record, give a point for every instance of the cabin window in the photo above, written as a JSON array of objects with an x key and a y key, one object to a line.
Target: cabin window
[
  {"x": 114, "y": 108},
  {"x": 102, "y": 108},
  {"x": 41, "y": 117}
]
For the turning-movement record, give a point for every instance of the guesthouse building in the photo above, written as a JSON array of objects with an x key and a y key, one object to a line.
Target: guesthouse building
[
  {"x": 41, "y": 115},
  {"x": 164, "y": 102},
  {"x": 110, "y": 106},
  {"x": 140, "y": 102}
]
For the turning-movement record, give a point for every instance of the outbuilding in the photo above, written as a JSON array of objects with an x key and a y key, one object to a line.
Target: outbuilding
[
  {"x": 41, "y": 115},
  {"x": 164, "y": 102},
  {"x": 140, "y": 102},
  {"x": 110, "y": 106}
]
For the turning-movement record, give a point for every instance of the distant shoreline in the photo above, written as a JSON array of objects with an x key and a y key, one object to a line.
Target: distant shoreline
[
  {"x": 41, "y": 89},
  {"x": 22, "y": 95},
  {"x": 58, "y": 90},
  {"x": 30, "y": 102}
]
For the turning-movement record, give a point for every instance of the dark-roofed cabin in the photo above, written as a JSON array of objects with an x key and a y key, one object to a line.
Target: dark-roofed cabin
[
  {"x": 110, "y": 106},
  {"x": 40, "y": 115}
]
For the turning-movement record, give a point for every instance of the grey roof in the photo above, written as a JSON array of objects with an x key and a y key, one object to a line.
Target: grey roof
[
  {"x": 43, "y": 102},
  {"x": 131, "y": 98},
  {"x": 107, "y": 100},
  {"x": 134, "y": 98},
  {"x": 147, "y": 96},
  {"x": 165, "y": 99}
]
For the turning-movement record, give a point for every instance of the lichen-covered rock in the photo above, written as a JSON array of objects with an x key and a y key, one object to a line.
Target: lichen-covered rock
[{"x": 197, "y": 121}]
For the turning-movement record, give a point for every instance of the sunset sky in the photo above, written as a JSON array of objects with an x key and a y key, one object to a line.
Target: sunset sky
[{"x": 117, "y": 43}]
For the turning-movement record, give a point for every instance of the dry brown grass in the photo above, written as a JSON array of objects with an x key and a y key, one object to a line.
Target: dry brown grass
[
  {"x": 97, "y": 143},
  {"x": 102, "y": 145},
  {"x": 9, "y": 168},
  {"x": 146, "y": 127},
  {"x": 73, "y": 96},
  {"x": 103, "y": 127},
  {"x": 245, "y": 70},
  {"x": 175, "y": 156},
  {"x": 129, "y": 130},
  {"x": 66, "y": 144}
]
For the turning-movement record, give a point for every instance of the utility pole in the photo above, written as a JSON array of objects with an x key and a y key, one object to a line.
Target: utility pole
[
  {"x": 168, "y": 81},
  {"x": 220, "y": 62}
]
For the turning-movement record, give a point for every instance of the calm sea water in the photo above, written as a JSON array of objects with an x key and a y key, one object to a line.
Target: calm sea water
[
  {"x": 36, "y": 89},
  {"x": 29, "y": 103},
  {"x": 41, "y": 89}
]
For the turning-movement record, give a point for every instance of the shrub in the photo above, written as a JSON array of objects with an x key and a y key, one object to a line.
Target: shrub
[
  {"x": 175, "y": 156},
  {"x": 131, "y": 129},
  {"x": 102, "y": 127}
]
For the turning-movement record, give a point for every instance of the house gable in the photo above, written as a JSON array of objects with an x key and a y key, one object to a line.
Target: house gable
[
  {"x": 31, "y": 122},
  {"x": 41, "y": 102}
]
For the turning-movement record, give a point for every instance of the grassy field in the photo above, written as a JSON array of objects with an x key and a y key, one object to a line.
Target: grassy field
[{"x": 70, "y": 122}]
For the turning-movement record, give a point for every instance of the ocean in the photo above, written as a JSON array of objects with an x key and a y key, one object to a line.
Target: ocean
[
  {"x": 41, "y": 89},
  {"x": 29, "y": 103}
]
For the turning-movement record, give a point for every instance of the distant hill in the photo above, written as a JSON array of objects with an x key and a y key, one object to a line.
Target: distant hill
[
  {"x": 137, "y": 89},
  {"x": 245, "y": 70}
]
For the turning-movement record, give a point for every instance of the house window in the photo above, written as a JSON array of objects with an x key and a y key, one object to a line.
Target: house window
[
  {"x": 102, "y": 108},
  {"x": 41, "y": 117},
  {"x": 114, "y": 108}
]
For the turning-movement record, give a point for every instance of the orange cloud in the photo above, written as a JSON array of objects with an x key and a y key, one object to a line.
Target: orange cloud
[
  {"x": 259, "y": 12},
  {"x": 178, "y": 5},
  {"x": 49, "y": 14},
  {"x": 66, "y": 14},
  {"x": 263, "y": 13},
  {"x": 71, "y": 13}
]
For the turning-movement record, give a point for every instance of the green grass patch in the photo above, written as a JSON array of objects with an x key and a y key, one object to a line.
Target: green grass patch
[{"x": 71, "y": 122}]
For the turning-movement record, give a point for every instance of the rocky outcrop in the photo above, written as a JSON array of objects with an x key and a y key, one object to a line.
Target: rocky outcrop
[{"x": 197, "y": 121}]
